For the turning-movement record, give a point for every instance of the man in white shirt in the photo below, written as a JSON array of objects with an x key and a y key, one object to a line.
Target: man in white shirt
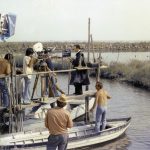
[{"x": 28, "y": 63}]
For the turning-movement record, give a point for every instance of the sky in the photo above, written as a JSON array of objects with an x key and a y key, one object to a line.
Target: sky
[{"x": 67, "y": 20}]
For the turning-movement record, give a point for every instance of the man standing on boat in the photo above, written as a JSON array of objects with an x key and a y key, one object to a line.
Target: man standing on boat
[
  {"x": 28, "y": 63},
  {"x": 80, "y": 76},
  {"x": 5, "y": 69},
  {"x": 101, "y": 103},
  {"x": 57, "y": 121}
]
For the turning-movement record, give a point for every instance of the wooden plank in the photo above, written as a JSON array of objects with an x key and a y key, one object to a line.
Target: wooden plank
[
  {"x": 75, "y": 101},
  {"x": 70, "y": 98},
  {"x": 82, "y": 68},
  {"x": 1, "y": 108},
  {"x": 32, "y": 104},
  {"x": 89, "y": 93}
]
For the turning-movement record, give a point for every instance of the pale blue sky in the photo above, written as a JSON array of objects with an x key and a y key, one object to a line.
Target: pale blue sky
[{"x": 67, "y": 20}]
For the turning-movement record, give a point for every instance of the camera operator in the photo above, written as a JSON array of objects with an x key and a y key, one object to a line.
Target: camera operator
[
  {"x": 51, "y": 80},
  {"x": 48, "y": 60},
  {"x": 28, "y": 63}
]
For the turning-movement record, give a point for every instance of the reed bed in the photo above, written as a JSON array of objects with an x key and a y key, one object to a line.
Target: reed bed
[{"x": 136, "y": 72}]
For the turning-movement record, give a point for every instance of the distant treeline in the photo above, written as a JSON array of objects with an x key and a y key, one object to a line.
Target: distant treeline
[{"x": 20, "y": 47}]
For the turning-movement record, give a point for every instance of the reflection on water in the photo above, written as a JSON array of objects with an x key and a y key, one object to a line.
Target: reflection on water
[{"x": 118, "y": 144}]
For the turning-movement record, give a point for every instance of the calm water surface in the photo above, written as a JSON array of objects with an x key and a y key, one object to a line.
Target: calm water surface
[
  {"x": 126, "y": 101},
  {"x": 123, "y": 57}
]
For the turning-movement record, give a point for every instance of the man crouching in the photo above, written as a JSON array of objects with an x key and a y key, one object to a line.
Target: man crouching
[{"x": 57, "y": 121}]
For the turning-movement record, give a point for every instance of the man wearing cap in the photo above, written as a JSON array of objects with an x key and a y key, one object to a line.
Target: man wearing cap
[{"x": 57, "y": 121}]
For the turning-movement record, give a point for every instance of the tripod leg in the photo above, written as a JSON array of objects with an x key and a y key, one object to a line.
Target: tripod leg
[{"x": 35, "y": 84}]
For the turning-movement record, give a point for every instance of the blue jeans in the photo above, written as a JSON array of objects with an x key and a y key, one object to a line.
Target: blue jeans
[
  {"x": 100, "y": 122},
  {"x": 5, "y": 94},
  {"x": 57, "y": 141},
  {"x": 27, "y": 89}
]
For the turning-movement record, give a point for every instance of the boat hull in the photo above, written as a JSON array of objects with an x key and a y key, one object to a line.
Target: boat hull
[{"x": 79, "y": 136}]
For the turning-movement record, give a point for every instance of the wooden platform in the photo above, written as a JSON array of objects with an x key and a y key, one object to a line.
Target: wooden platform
[
  {"x": 29, "y": 105},
  {"x": 76, "y": 99},
  {"x": 73, "y": 99},
  {"x": 1, "y": 108}
]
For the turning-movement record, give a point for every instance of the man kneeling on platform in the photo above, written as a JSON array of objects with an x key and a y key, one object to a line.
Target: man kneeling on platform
[{"x": 57, "y": 121}]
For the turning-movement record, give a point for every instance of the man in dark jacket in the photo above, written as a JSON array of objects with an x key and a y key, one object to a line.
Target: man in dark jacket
[{"x": 80, "y": 76}]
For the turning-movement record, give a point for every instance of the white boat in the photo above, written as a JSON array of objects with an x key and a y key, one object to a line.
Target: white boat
[
  {"x": 79, "y": 136},
  {"x": 75, "y": 107}
]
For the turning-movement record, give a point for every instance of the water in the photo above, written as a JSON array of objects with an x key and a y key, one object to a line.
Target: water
[
  {"x": 126, "y": 101},
  {"x": 123, "y": 57}
]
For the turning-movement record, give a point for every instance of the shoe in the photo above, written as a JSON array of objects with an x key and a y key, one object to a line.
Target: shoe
[{"x": 78, "y": 93}]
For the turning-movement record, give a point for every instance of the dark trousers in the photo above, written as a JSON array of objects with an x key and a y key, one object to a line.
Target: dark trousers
[
  {"x": 5, "y": 93},
  {"x": 78, "y": 89},
  {"x": 57, "y": 141}
]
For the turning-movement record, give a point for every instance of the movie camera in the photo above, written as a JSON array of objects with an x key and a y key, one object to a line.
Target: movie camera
[{"x": 42, "y": 54}]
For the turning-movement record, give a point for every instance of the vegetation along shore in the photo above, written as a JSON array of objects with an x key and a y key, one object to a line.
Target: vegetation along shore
[
  {"x": 20, "y": 47},
  {"x": 135, "y": 72}
]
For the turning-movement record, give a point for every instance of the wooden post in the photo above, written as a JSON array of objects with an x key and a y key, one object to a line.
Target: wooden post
[
  {"x": 11, "y": 96},
  {"x": 89, "y": 40},
  {"x": 69, "y": 77},
  {"x": 87, "y": 110},
  {"x": 98, "y": 68},
  {"x": 43, "y": 86},
  {"x": 62, "y": 60},
  {"x": 87, "y": 87},
  {"x": 94, "y": 60}
]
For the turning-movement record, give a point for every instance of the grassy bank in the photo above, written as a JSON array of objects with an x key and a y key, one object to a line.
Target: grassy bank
[{"x": 135, "y": 72}]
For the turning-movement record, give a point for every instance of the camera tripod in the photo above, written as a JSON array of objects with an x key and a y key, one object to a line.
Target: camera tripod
[
  {"x": 43, "y": 77},
  {"x": 52, "y": 87}
]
